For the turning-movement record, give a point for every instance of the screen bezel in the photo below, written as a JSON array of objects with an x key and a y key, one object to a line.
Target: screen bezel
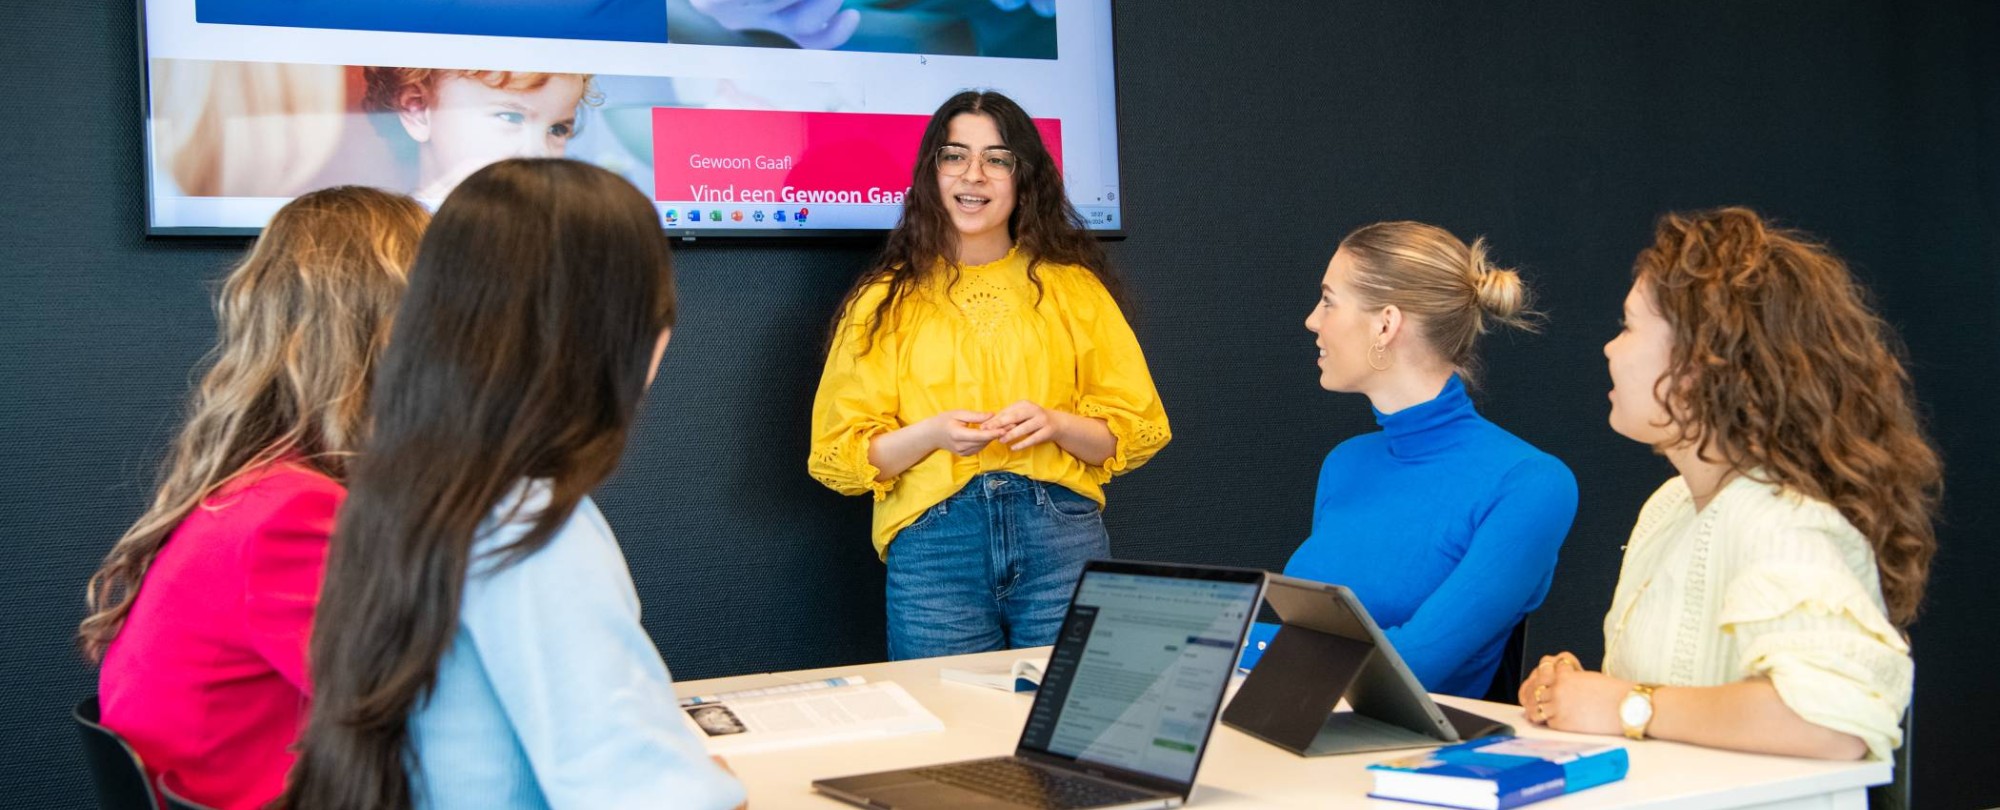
[
  {"x": 688, "y": 236},
  {"x": 1246, "y": 576}
]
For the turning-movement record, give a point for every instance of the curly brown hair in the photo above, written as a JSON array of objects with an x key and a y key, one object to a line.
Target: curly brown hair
[
  {"x": 1781, "y": 366},
  {"x": 924, "y": 243}
]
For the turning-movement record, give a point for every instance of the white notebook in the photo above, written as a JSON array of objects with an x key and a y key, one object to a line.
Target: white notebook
[{"x": 1023, "y": 675}]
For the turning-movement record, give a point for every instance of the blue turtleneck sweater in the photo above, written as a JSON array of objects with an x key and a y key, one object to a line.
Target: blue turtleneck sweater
[{"x": 1446, "y": 527}]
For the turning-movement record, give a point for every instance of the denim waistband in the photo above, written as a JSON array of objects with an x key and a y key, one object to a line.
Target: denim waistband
[{"x": 994, "y": 484}]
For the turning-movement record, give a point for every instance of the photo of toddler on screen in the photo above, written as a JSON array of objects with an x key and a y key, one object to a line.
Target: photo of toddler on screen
[
  {"x": 451, "y": 123},
  {"x": 277, "y": 130}
]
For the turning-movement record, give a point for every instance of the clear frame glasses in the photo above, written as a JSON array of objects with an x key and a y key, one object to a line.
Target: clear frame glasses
[{"x": 953, "y": 161}]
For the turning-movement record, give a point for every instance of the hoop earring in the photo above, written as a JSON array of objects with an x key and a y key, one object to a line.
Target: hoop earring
[{"x": 1381, "y": 351}]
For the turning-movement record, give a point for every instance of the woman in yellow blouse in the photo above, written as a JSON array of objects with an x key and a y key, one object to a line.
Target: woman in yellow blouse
[
  {"x": 1764, "y": 590},
  {"x": 983, "y": 385}
]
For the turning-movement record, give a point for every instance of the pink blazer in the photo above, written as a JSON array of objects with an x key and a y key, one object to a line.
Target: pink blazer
[{"x": 207, "y": 678}]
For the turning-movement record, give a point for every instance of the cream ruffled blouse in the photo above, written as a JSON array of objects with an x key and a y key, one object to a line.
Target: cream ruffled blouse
[{"x": 1763, "y": 582}]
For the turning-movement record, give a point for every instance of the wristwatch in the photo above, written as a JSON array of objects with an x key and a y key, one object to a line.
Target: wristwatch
[{"x": 1636, "y": 710}]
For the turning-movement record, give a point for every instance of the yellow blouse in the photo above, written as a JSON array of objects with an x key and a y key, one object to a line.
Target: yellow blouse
[
  {"x": 981, "y": 343},
  {"x": 1762, "y": 582}
]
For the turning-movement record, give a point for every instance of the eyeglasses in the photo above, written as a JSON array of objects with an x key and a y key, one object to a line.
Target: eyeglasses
[{"x": 953, "y": 161}]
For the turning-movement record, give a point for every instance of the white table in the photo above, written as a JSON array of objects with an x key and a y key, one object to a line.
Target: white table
[{"x": 1241, "y": 771}]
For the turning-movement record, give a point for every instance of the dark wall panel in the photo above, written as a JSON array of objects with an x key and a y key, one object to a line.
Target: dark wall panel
[{"x": 1254, "y": 136}]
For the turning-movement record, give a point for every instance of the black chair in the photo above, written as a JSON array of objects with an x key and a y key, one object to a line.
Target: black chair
[
  {"x": 174, "y": 799},
  {"x": 114, "y": 766},
  {"x": 1896, "y": 794},
  {"x": 1513, "y": 667}
]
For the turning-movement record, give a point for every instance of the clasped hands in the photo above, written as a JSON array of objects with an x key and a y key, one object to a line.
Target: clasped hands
[
  {"x": 1564, "y": 696},
  {"x": 1020, "y": 426}
]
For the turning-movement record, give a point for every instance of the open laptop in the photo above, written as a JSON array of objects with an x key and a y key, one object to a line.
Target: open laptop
[
  {"x": 1328, "y": 649},
  {"x": 1125, "y": 709}
]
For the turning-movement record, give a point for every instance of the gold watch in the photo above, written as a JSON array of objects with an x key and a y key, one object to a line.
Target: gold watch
[{"x": 1636, "y": 710}]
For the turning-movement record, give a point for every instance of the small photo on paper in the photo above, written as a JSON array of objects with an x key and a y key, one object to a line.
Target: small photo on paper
[{"x": 716, "y": 720}]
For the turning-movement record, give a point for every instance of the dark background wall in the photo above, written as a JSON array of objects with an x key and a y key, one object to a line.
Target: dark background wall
[{"x": 1254, "y": 136}]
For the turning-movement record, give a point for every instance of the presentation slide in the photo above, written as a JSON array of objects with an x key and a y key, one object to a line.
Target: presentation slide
[{"x": 738, "y": 117}]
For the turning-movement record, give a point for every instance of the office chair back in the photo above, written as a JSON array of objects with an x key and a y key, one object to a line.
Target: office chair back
[
  {"x": 114, "y": 767},
  {"x": 1513, "y": 667},
  {"x": 1896, "y": 794}
]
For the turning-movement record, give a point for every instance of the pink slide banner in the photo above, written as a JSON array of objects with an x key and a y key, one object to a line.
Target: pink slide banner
[{"x": 792, "y": 158}]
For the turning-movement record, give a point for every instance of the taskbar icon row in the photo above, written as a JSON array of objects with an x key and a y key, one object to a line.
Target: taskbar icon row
[{"x": 676, "y": 217}]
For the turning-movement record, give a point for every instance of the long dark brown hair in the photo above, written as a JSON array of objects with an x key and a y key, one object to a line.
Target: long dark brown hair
[
  {"x": 522, "y": 350},
  {"x": 301, "y": 321},
  {"x": 1780, "y": 366},
  {"x": 1045, "y": 227}
]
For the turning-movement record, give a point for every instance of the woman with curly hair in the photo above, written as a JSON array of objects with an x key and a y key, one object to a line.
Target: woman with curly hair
[
  {"x": 983, "y": 386},
  {"x": 1764, "y": 590}
]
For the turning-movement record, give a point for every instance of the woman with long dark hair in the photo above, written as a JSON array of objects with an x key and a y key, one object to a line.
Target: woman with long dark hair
[
  {"x": 1765, "y": 589},
  {"x": 983, "y": 385},
  {"x": 479, "y": 641},
  {"x": 201, "y": 612}
]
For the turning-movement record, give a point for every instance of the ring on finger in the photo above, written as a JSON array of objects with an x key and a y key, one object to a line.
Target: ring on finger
[{"x": 1541, "y": 694}]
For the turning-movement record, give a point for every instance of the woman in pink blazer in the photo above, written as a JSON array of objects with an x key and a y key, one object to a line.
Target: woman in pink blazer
[{"x": 201, "y": 613}]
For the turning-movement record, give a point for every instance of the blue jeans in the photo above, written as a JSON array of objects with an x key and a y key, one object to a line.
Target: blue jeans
[{"x": 991, "y": 567}]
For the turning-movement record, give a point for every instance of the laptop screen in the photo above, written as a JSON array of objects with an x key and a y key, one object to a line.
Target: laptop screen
[{"x": 1135, "y": 678}]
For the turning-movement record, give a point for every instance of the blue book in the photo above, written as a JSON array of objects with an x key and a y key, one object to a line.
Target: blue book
[{"x": 1496, "y": 773}]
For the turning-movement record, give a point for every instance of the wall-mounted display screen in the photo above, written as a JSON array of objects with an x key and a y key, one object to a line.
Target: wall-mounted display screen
[{"x": 737, "y": 117}]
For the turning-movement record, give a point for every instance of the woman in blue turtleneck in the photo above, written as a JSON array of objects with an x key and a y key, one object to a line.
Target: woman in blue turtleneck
[{"x": 1445, "y": 525}]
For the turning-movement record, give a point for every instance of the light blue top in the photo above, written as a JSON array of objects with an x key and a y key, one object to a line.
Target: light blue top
[
  {"x": 552, "y": 695},
  {"x": 1446, "y": 527}
]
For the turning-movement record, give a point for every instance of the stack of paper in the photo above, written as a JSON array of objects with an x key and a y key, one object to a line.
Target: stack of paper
[{"x": 793, "y": 717}]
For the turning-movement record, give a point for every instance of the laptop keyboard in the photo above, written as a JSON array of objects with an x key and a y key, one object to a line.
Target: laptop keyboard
[{"x": 1028, "y": 785}]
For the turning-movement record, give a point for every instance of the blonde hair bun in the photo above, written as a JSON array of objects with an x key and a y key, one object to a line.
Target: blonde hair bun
[
  {"x": 1497, "y": 290},
  {"x": 1452, "y": 290},
  {"x": 1501, "y": 293}
]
